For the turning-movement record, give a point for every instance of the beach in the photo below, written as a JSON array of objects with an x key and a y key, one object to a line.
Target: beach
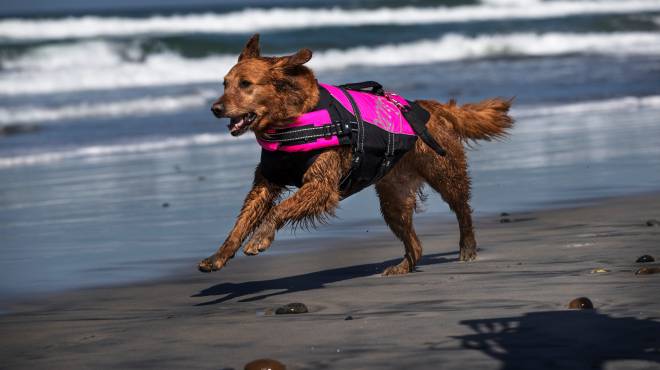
[
  {"x": 507, "y": 310},
  {"x": 116, "y": 180}
]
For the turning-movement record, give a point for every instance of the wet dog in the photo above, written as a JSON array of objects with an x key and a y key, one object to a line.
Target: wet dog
[{"x": 262, "y": 93}]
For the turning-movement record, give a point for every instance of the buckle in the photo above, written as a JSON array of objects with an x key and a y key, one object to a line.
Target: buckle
[{"x": 327, "y": 131}]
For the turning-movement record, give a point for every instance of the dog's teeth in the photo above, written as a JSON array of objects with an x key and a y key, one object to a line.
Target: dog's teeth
[{"x": 237, "y": 125}]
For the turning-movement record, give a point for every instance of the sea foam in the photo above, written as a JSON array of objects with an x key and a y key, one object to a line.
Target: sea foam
[
  {"x": 255, "y": 20},
  {"x": 94, "y": 151},
  {"x": 69, "y": 67},
  {"x": 144, "y": 106},
  {"x": 527, "y": 122}
]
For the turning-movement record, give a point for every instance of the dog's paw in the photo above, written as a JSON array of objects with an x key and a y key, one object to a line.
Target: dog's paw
[
  {"x": 210, "y": 264},
  {"x": 468, "y": 254},
  {"x": 259, "y": 242},
  {"x": 400, "y": 269},
  {"x": 256, "y": 245}
]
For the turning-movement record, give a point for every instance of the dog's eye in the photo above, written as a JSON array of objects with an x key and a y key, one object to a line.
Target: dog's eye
[{"x": 244, "y": 84}]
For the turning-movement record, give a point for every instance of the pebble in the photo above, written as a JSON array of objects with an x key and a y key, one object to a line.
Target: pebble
[
  {"x": 647, "y": 271},
  {"x": 165, "y": 205},
  {"x": 503, "y": 214},
  {"x": 652, "y": 222},
  {"x": 645, "y": 259},
  {"x": 582, "y": 303},
  {"x": 291, "y": 308},
  {"x": 349, "y": 317},
  {"x": 599, "y": 270},
  {"x": 265, "y": 364}
]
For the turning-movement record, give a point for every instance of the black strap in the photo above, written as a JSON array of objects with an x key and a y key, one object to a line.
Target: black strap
[
  {"x": 307, "y": 133},
  {"x": 430, "y": 141},
  {"x": 418, "y": 118},
  {"x": 359, "y": 147}
]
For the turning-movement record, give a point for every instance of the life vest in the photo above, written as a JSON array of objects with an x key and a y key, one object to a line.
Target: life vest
[{"x": 379, "y": 126}]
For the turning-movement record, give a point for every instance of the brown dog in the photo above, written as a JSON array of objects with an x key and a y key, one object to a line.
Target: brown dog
[{"x": 266, "y": 92}]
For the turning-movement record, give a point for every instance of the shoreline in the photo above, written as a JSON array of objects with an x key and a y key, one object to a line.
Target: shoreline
[
  {"x": 506, "y": 309},
  {"x": 372, "y": 228}
]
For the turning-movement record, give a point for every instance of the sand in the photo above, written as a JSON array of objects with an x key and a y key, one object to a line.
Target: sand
[{"x": 507, "y": 310}]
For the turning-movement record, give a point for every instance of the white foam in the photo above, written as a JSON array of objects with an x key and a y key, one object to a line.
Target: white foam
[
  {"x": 122, "y": 108},
  {"x": 522, "y": 115},
  {"x": 253, "y": 20},
  {"x": 626, "y": 103},
  {"x": 96, "y": 65},
  {"x": 95, "y": 151},
  {"x": 452, "y": 47},
  {"x": 562, "y": 118},
  {"x": 91, "y": 65}
]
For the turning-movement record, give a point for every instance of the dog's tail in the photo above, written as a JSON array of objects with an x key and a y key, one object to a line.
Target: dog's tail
[{"x": 486, "y": 120}]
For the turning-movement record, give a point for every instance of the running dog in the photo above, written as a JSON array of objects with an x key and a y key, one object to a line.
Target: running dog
[{"x": 268, "y": 95}]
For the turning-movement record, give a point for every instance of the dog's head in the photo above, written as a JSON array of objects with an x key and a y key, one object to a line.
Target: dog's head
[{"x": 262, "y": 92}]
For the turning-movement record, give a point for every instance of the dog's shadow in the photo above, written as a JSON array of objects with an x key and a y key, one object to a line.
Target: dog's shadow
[
  {"x": 564, "y": 340},
  {"x": 303, "y": 282}
]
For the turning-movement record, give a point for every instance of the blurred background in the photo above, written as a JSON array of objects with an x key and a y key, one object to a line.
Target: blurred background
[{"x": 110, "y": 160}]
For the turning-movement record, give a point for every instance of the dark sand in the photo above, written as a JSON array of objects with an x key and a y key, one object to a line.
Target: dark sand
[{"x": 506, "y": 310}]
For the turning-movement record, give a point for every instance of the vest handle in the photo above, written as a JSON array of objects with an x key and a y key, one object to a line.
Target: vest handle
[{"x": 375, "y": 87}]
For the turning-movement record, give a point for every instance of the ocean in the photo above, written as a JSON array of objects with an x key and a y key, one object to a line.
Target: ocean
[{"x": 113, "y": 169}]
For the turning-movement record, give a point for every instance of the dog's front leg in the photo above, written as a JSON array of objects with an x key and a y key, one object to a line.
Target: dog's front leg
[
  {"x": 258, "y": 202},
  {"x": 316, "y": 199}
]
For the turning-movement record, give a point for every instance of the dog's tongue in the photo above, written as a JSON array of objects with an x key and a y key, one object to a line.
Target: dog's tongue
[{"x": 235, "y": 124}]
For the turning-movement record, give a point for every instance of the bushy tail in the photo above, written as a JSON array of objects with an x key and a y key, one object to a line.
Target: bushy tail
[{"x": 486, "y": 120}]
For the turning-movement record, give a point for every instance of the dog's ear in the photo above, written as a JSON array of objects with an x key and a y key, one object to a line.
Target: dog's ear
[
  {"x": 301, "y": 57},
  {"x": 251, "y": 49}
]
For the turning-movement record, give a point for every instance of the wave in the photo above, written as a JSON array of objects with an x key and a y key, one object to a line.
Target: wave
[
  {"x": 70, "y": 67},
  {"x": 622, "y": 104},
  {"x": 626, "y": 103},
  {"x": 122, "y": 108},
  {"x": 95, "y": 151},
  {"x": 253, "y": 20}
]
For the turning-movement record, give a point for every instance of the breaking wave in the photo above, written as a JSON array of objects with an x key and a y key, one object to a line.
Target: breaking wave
[
  {"x": 607, "y": 105},
  {"x": 94, "y": 151},
  {"x": 522, "y": 115},
  {"x": 253, "y": 20},
  {"x": 70, "y": 67},
  {"x": 122, "y": 108}
]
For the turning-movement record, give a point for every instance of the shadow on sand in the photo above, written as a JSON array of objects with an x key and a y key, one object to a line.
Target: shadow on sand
[
  {"x": 309, "y": 281},
  {"x": 565, "y": 340}
]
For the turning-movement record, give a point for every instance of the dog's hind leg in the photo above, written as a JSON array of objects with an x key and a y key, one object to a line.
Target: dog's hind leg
[
  {"x": 397, "y": 193},
  {"x": 449, "y": 177}
]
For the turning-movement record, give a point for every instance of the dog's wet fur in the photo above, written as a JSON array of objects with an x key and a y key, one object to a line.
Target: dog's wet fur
[{"x": 267, "y": 92}]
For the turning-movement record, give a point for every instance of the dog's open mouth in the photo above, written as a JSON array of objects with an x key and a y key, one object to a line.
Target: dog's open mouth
[{"x": 239, "y": 125}]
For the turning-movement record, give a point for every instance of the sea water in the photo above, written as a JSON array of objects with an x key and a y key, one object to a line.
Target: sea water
[{"x": 124, "y": 174}]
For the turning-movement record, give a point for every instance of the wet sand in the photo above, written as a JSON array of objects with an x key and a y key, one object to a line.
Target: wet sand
[{"x": 507, "y": 310}]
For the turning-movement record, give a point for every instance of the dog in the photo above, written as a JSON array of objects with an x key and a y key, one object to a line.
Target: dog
[{"x": 262, "y": 93}]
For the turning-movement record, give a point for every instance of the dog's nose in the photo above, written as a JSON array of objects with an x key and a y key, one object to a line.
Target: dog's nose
[{"x": 218, "y": 110}]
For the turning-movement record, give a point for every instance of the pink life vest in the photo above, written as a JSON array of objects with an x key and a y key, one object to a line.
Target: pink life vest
[
  {"x": 383, "y": 111},
  {"x": 380, "y": 127}
]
